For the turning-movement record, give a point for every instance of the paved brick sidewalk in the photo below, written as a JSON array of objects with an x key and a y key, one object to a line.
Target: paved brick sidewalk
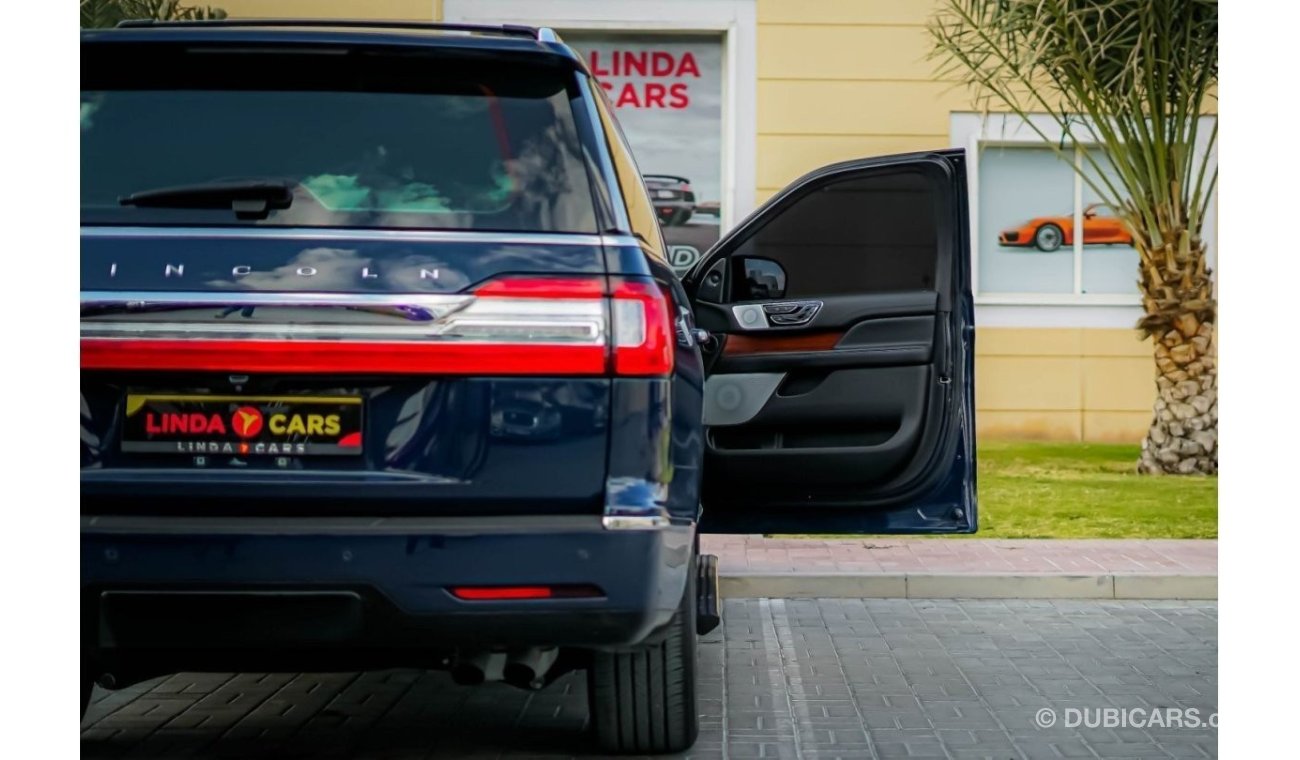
[
  {"x": 883, "y": 554},
  {"x": 784, "y": 678}
]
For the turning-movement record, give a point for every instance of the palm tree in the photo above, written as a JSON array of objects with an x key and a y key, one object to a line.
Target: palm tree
[
  {"x": 1132, "y": 77},
  {"x": 107, "y": 13}
]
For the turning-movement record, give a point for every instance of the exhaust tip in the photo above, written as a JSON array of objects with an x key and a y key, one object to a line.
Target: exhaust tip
[
  {"x": 479, "y": 668},
  {"x": 529, "y": 669}
]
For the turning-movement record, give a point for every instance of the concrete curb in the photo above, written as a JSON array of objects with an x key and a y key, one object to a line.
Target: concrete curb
[{"x": 969, "y": 586}]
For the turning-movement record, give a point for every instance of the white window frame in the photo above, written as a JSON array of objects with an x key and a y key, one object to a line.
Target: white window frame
[
  {"x": 735, "y": 20},
  {"x": 978, "y": 131}
]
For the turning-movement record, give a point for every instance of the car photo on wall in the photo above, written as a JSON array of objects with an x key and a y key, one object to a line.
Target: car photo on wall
[
  {"x": 1049, "y": 233},
  {"x": 673, "y": 198}
]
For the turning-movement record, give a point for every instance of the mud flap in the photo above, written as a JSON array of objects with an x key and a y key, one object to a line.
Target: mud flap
[{"x": 708, "y": 613}]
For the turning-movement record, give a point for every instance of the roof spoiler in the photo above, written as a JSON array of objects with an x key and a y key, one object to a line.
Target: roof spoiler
[{"x": 541, "y": 34}]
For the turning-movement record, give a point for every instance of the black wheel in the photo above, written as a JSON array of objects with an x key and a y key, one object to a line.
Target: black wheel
[
  {"x": 642, "y": 701},
  {"x": 1048, "y": 237}
]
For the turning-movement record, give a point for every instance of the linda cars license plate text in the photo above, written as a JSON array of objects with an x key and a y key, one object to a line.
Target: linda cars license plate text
[{"x": 242, "y": 425}]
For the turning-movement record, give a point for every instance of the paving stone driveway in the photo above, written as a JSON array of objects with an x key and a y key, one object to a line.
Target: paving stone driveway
[{"x": 796, "y": 678}]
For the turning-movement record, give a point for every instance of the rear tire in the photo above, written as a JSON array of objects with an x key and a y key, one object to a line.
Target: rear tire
[{"x": 642, "y": 701}]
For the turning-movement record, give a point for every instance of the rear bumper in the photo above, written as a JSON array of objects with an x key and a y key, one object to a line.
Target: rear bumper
[{"x": 322, "y": 593}]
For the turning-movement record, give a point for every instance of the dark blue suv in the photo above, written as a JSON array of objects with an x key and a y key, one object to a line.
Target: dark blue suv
[{"x": 383, "y": 365}]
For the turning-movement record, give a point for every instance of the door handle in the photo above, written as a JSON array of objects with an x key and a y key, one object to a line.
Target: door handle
[
  {"x": 793, "y": 313},
  {"x": 752, "y": 316}
]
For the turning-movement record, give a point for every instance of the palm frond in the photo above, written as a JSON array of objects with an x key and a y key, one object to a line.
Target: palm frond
[
  {"x": 1138, "y": 71},
  {"x": 100, "y": 14}
]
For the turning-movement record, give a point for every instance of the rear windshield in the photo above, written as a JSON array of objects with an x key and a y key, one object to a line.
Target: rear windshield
[{"x": 362, "y": 138}]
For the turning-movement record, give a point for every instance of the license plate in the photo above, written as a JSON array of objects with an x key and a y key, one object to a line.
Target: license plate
[
  {"x": 243, "y": 426},
  {"x": 663, "y": 193}
]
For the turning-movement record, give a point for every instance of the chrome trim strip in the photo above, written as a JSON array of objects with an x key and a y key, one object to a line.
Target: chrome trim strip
[
  {"x": 140, "y": 299},
  {"x": 591, "y": 335},
  {"x": 636, "y": 522},
  {"x": 352, "y": 233},
  {"x": 145, "y": 314}
]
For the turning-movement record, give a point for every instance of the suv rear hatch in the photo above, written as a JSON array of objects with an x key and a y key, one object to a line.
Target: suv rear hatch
[{"x": 344, "y": 279}]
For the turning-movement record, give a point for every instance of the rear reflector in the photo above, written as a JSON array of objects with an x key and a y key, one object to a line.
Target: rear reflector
[
  {"x": 508, "y": 326},
  {"x": 506, "y": 593}
]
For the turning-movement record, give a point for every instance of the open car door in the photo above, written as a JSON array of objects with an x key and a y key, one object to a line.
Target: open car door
[{"x": 840, "y": 390}]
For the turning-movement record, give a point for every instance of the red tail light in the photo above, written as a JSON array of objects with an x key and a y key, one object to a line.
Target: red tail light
[
  {"x": 643, "y": 329},
  {"x": 509, "y": 593},
  {"x": 509, "y": 326}
]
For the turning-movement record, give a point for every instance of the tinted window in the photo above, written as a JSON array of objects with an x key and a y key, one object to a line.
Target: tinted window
[
  {"x": 369, "y": 140},
  {"x": 869, "y": 234}
]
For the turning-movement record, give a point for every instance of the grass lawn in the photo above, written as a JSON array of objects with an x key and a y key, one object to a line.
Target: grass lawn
[
  {"x": 1087, "y": 490},
  {"x": 1030, "y": 489}
]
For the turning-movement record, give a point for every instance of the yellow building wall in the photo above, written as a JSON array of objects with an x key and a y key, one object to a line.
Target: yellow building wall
[
  {"x": 840, "y": 79},
  {"x": 1073, "y": 384}
]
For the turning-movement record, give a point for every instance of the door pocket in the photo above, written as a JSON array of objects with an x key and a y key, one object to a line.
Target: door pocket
[
  {"x": 802, "y": 381},
  {"x": 865, "y": 434},
  {"x": 853, "y": 426}
]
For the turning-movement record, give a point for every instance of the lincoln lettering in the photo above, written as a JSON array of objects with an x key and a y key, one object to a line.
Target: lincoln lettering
[{"x": 177, "y": 271}]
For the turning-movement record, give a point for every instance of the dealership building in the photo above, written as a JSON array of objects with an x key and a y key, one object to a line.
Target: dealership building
[{"x": 727, "y": 101}]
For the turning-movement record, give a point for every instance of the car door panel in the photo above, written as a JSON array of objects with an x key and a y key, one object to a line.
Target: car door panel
[
  {"x": 859, "y": 417},
  {"x": 792, "y": 435}
]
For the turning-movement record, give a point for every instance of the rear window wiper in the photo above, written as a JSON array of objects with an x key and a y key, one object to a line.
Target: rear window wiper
[{"x": 249, "y": 199}]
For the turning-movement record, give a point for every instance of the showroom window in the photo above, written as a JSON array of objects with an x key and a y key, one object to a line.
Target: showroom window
[
  {"x": 1043, "y": 230},
  {"x": 1026, "y": 201}
]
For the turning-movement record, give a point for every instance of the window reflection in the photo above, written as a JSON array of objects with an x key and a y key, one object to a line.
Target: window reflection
[{"x": 495, "y": 158}]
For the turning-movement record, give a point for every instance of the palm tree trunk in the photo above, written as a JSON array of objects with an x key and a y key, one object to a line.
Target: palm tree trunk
[
  {"x": 1180, "y": 317},
  {"x": 1184, "y": 433}
]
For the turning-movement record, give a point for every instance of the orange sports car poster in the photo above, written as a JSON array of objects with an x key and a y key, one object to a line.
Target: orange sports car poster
[{"x": 1049, "y": 233}]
